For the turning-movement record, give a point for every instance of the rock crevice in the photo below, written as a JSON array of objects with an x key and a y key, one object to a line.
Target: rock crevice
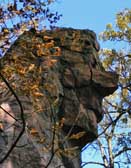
[{"x": 61, "y": 84}]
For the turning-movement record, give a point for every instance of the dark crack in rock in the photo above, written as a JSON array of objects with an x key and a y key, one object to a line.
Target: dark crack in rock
[{"x": 61, "y": 84}]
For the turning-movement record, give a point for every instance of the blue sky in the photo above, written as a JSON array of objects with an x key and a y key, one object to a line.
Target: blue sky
[
  {"x": 94, "y": 15},
  {"x": 89, "y": 14}
]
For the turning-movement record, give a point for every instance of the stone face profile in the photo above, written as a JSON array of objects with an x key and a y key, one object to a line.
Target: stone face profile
[{"x": 61, "y": 84}]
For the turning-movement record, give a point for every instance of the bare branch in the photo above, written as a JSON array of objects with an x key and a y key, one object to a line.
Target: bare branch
[
  {"x": 97, "y": 163},
  {"x": 104, "y": 157},
  {"x": 125, "y": 149},
  {"x": 22, "y": 118}
]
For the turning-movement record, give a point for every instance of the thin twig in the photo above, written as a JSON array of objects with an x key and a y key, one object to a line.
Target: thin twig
[{"x": 22, "y": 118}]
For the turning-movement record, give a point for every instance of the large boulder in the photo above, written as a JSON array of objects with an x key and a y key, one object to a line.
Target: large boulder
[{"x": 61, "y": 84}]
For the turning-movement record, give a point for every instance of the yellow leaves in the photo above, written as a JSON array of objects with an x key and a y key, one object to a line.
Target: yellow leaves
[
  {"x": 53, "y": 61},
  {"x": 34, "y": 87},
  {"x": 45, "y": 149},
  {"x": 28, "y": 8},
  {"x": 47, "y": 38},
  {"x": 39, "y": 50},
  {"x": 113, "y": 34},
  {"x": 42, "y": 140},
  {"x": 108, "y": 57},
  {"x": 26, "y": 74},
  {"x": 21, "y": 70},
  {"x": 37, "y": 94},
  {"x": 23, "y": 27},
  {"x": 8, "y": 71},
  {"x": 121, "y": 30},
  {"x": 34, "y": 90},
  {"x": 57, "y": 51},
  {"x": 33, "y": 132},
  {"x": 109, "y": 26},
  {"x": 106, "y": 63},
  {"x": 122, "y": 21},
  {"x": 56, "y": 127},
  {"x": 43, "y": 49},
  {"x": 68, "y": 152},
  {"x": 36, "y": 135},
  {"x": 48, "y": 48},
  {"x": 77, "y": 136},
  {"x": 106, "y": 51},
  {"x": 38, "y": 46},
  {"x": 24, "y": 70},
  {"x": 49, "y": 44},
  {"x": 6, "y": 31},
  {"x": 31, "y": 67},
  {"x": 125, "y": 92}
]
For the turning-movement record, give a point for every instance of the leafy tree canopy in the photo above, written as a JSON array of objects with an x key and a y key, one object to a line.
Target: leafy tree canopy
[
  {"x": 17, "y": 16},
  {"x": 114, "y": 141}
]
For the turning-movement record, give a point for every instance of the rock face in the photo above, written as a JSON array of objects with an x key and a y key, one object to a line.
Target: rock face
[{"x": 60, "y": 83}]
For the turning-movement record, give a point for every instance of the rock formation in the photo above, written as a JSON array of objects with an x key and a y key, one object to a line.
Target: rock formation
[{"x": 61, "y": 83}]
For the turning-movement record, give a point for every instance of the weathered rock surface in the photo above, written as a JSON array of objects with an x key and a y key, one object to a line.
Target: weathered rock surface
[{"x": 61, "y": 83}]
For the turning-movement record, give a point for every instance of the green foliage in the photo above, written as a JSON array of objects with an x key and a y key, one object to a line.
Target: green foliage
[
  {"x": 118, "y": 108},
  {"x": 114, "y": 139},
  {"x": 120, "y": 60},
  {"x": 122, "y": 30}
]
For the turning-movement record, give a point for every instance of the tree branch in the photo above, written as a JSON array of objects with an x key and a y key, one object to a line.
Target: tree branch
[
  {"x": 125, "y": 149},
  {"x": 22, "y": 118}
]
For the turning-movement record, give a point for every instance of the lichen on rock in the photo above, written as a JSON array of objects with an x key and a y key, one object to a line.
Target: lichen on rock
[{"x": 61, "y": 83}]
